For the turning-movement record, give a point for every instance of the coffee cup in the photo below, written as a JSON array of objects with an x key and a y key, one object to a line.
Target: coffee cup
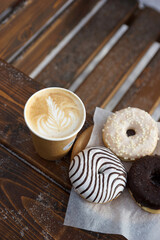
[{"x": 54, "y": 116}]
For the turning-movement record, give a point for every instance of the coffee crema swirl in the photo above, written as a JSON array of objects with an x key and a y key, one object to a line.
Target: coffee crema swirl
[
  {"x": 57, "y": 119},
  {"x": 97, "y": 175},
  {"x": 55, "y": 114}
]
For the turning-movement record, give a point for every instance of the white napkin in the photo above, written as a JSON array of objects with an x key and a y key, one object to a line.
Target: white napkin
[
  {"x": 155, "y": 4},
  {"x": 120, "y": 216}
]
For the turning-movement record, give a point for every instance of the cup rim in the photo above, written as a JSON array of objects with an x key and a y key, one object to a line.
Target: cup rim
[{"x": 60, "y": 138}]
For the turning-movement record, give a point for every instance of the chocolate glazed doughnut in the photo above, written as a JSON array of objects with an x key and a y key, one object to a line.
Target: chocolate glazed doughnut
[{"x": 144, "y": 183}]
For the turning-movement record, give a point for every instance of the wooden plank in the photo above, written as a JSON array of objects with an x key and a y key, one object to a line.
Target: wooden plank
[
  {"x": 109, "y": 75},
  {"x": 31, "y": 207},
  {"x": 73, "y": 59},
  {"x": 6, "y": 4},
  {"x": 39, "y": 49},
  {"x": 15, "y": 89},
  {"x": 20, "y": 28},
  {"x": 144, "y": 93}
]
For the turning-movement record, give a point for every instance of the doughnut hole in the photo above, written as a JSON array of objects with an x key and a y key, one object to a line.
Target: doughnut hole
[
  {"x": 130, "y": 132},
  {"x": 155, "y": 178}
]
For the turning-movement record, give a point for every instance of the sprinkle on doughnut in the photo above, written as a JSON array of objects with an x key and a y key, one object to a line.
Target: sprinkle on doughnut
[
  {"x": 130, "y": 133},
  {"x": 97, "y": 175}
]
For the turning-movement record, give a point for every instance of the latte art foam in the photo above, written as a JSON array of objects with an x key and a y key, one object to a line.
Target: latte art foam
[
  {"x": 55, "y": 114},
  {"x": 56, "y": 120}
]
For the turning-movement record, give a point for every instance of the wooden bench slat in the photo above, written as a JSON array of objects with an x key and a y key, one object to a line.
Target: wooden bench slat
[
  {"x": 73, "y": 59},
  {"x": 15, "y": 89},
  {"x": 4, "y": 4},
  {"x": 52, "y": 36},
  {"x": 144, "y": 93},
  {"x": 34, "y": 208},
  {"x": 112, "y": 71},
  {"x": 19, "y": 29}
]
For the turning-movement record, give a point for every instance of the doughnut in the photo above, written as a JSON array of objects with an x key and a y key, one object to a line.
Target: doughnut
[
  {"x": 144, "y": 183},
  {"x": 130, "y": 133},
  {"x": 97, "y": 175}
]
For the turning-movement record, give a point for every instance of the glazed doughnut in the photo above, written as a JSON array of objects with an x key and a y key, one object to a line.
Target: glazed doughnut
[
  {"x": 144, "y": 183},
  {"x": 97, "y": 175},
  {"x": 130, "y": 133}
]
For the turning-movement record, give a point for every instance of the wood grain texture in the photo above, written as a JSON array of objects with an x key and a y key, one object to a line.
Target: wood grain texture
[
  {"x": 6, "y": 4},
  {"x": 144, "y": 93},
  {"x": 16, "y": 88},
  {"x": 73, "y": 59},
  {"x": 39, "y": 49},
  {"x": 112, "y": 71},
  {"x": 32, "y": 207},
  {"x": 20, "y": 28}
]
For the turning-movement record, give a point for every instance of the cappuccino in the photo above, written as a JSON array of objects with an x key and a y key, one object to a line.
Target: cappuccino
[{"x": 54, "y": 113}]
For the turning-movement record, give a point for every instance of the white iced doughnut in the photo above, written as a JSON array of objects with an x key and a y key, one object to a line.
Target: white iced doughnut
[
  {"x": 97, "y": 175},
  {"x": 130, "y": 133}
]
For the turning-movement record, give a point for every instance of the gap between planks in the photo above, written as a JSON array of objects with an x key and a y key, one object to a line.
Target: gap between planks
[
  {"x": 67, "y": 39},
  {"x": 14, "y": 7},
  {"x": 138, "y": 69},
  {"x": 108, "y": 104},
  {"x": 97, "y": 59},
  {"x": 38, "y": 33},
  {"x": 155, "y": 111},
  {"x": 119, "y": 93}
]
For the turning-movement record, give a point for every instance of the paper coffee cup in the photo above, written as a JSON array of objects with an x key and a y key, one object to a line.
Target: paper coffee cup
[{"x": 54, "y": 117}]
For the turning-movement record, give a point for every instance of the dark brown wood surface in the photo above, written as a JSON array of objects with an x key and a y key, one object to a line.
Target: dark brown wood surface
[
  {"x": 17, "y": 30},
  {"x": 116, "y": 66},
  {"x": 38, "y": 50},
  {"x": 144, "y": 93},
  {"x": 31, "y": 207},
  {"x": 73, "y": 59},
  {"x": 7, "y": 4}
]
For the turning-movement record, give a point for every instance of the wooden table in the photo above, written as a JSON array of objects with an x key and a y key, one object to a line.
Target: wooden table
[{"x": 34, "y": 192}]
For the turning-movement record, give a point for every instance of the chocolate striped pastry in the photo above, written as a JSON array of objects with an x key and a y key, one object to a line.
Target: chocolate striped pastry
[{"x": 97, "y": 175}]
